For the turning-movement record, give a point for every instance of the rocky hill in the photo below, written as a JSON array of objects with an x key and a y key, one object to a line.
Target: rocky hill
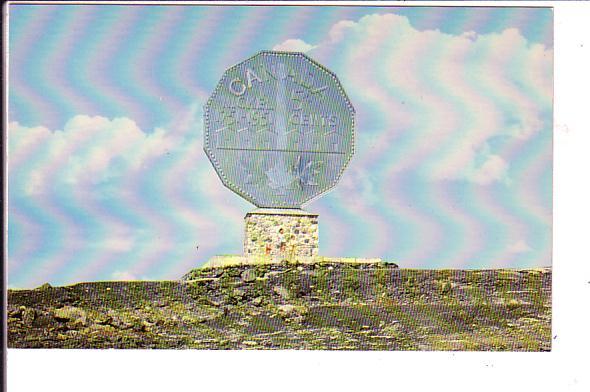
[{"x": 285, "y": 306}]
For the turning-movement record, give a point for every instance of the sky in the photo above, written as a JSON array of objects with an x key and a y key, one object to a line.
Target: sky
[{"x": 107, "y": 178}]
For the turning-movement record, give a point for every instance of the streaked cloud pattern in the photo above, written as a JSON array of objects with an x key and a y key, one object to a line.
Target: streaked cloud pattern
[{"x": 107, "y": 178}]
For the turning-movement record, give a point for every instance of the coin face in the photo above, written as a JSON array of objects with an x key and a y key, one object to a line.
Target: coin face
[{"x": 279, "y": 129}]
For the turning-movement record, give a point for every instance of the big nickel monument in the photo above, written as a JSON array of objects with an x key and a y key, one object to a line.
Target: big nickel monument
[{"x": 279, "y": 131}]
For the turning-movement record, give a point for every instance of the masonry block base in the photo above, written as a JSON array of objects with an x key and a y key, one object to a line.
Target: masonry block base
[{"x": 283, "y": 233}]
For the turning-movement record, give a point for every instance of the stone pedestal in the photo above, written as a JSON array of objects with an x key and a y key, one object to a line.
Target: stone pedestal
[{"x": 283, "y": 233}]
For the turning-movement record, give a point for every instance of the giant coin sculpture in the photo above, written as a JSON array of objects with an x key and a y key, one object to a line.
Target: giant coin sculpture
[{"x": 279, "y": 129}]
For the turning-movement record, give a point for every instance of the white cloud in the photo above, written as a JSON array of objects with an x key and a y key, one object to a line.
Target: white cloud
[
  {"x": 117, "y": 244},
  {"x": 293, "y": 45},
  {"x": 445, "y": 95},
  {"x": 339, "y": 29},
  {"x": 356, "y": 188},
  {"x": 123, "y": 275},
  {"x": 117, "y": 195},
  {"x": 520, "y": 246},
  {"x": 493, "y": 169},
  {"x": 88, "y": 150}
]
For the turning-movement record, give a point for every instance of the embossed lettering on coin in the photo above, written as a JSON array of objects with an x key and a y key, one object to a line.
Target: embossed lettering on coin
[{"x": 279, "y": 129}]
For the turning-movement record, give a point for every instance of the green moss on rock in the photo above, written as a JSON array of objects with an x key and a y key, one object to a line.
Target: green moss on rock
[{"x": 326, "y": 306}]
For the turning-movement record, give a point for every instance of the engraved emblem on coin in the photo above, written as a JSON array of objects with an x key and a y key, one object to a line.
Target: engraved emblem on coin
[{"x": 279, "y": 129}]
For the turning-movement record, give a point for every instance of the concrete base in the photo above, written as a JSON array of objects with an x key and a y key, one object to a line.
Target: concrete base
[{"x": 224, "y": 261}]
